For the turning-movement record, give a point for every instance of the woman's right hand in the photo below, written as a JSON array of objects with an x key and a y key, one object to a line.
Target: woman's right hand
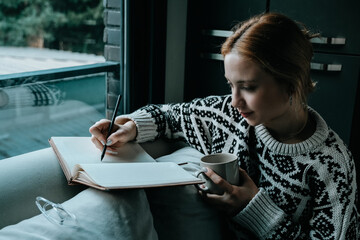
[{"x": 123, "y": 131}]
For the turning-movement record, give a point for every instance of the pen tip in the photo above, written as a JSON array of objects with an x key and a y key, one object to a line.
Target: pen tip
[{"x": 103, "y": 153}]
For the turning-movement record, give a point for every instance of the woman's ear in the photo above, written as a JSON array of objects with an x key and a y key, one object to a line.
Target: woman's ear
[{"x": 290, "y": 92}]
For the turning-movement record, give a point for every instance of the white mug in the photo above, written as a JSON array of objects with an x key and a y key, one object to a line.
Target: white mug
[{"x": 223, "y": 164}]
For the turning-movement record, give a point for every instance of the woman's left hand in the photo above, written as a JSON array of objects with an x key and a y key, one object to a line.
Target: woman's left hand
[{"x": 234, "y": 198}]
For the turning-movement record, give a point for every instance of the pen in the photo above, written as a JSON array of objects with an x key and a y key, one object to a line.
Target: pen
[{"x": 111, "y": 125}]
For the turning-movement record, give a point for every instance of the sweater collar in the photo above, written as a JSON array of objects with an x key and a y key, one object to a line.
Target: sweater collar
[{"x": 318, "y": 138}]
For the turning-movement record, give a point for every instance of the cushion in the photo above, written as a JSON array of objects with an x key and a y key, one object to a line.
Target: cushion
[
  {"x": 156, "y": 213},
  {"x": 99, "y": 215}
]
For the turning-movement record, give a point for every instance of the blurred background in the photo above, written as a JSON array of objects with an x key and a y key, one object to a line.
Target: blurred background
[
  {"x": 37, "y": 36},
  {"x": 70, "y": 25}
]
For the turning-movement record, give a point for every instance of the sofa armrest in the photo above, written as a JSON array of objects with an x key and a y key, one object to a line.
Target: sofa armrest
[
  {"x": 162, "y": 146},
  {"x": 24, "y": 177}
]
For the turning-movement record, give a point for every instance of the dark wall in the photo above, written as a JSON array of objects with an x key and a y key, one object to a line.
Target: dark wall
[
  {"x": 147, "y": 52},
  {"x": 204, "y": 76}
]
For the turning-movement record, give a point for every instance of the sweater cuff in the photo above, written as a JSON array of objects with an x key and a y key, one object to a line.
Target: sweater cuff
[
  {"x": 261, "y": 215},
  {"x": 145, "y": 125}
]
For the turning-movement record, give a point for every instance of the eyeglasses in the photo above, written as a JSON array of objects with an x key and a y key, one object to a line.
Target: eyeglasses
[{"x": 55, "y": 213}]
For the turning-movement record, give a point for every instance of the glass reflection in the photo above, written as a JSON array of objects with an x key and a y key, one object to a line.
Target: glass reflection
[{"x": 30, "y": 114}]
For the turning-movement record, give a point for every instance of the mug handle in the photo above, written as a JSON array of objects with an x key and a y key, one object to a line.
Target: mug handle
[{"x": 205, "y": 188}]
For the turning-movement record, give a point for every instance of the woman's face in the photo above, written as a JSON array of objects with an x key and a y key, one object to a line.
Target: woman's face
[{"x": 255, "y": 93}]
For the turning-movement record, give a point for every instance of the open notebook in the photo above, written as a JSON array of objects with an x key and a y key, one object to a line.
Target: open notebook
[{"x": 131, "y": 168}]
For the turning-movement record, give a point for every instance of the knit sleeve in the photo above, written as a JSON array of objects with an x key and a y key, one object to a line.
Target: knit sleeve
[
  {"x": 192, "y": 121},
  {"x": 331, "y": 211},
  {"x": 334, "y": 204}
]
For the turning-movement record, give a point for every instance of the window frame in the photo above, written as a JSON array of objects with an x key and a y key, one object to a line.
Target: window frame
[{"x": 17, "y": 79}]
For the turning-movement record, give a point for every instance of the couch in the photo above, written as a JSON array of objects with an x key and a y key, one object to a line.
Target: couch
[{"x": 38, "y": 173}]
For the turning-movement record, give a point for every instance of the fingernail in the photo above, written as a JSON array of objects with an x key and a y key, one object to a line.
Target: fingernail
[
  {"x": 102, "y": 142},
  {"x": 204, "y": 169},
  {"x": 109, "y": 142},
  {"x": 111, "y": 152}
]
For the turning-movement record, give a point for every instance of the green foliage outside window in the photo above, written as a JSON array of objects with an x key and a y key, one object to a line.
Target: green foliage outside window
[{"x": 73, "y": 25}]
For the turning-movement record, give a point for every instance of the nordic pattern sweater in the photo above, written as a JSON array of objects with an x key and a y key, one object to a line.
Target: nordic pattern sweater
[{"x": 307, "y": 190}]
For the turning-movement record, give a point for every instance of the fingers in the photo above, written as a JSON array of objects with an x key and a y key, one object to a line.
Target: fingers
[
  {"x": 120, "y": 135},
  {"x": 98, "y": 133},
  {"x": 234, "y": 197},
  {"x": 99, "y": 130},
  {"x": 243, "y": 174},
  {"x": 100, "y": 146},
  {"x": 124, "y": 134},
  {"x": 230, "y": 202},
  {"x": 96, "y": 142},
  {"x": 225, "y": 185},
  {"x": 248, "y": 183},
  {"x": 224, "y": 202},
  {"x": 222, "y": 183}
]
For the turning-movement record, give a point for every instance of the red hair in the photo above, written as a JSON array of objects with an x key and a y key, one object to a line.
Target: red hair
[{"x": 279, "y": 46}]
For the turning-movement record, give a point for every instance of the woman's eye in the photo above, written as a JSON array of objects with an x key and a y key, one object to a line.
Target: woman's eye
[{"x": 249, "y": 88}]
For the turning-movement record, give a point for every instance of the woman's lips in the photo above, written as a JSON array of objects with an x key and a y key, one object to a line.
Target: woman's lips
[{"x": 246, "y": 114}]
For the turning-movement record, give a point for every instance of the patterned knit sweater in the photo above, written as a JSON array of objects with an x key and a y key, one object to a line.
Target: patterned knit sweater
[{"x": 307, "y": 190}]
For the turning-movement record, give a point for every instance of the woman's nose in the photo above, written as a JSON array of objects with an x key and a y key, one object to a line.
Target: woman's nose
[{"x": 237, "y": 100}]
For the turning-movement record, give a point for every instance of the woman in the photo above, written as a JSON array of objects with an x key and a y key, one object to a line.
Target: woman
[{"x": 298, "y": 177}]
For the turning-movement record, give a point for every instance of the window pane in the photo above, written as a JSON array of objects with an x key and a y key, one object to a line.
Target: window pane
[
  {"x": 23, "y": 59},
  {"x": 30, "y": 114},
  {"x": 69, "y": 25}
]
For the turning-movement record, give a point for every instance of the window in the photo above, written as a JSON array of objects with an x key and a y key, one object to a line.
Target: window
[
  {"x": 50, "y": 92},
  {"x": 37, "y": 105}
]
